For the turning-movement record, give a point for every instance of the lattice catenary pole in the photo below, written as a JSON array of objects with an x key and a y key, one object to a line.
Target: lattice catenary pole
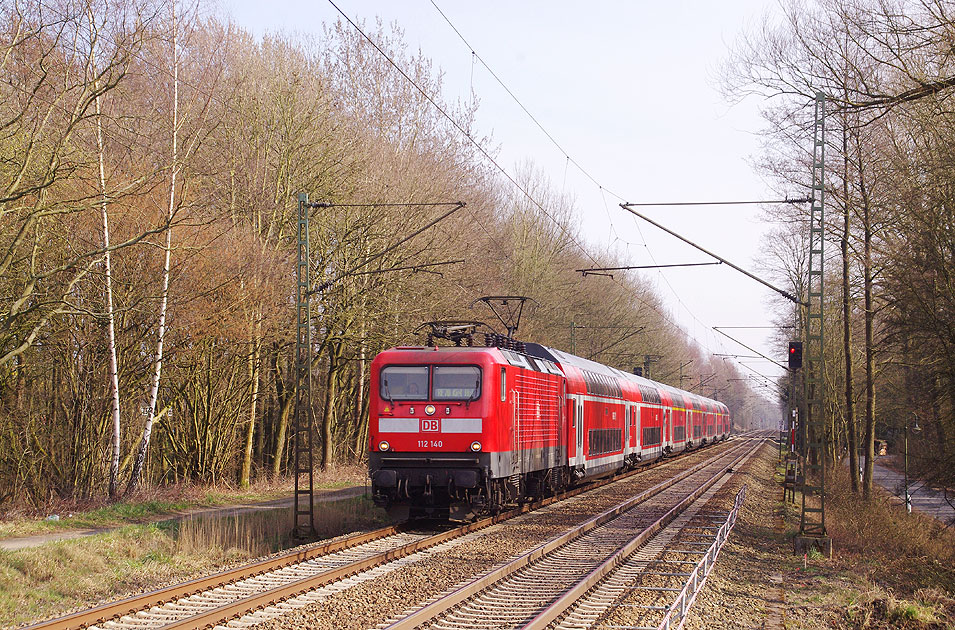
[
  {"x": 303, "y": 511},
  {"x": 812, "y": 527}
]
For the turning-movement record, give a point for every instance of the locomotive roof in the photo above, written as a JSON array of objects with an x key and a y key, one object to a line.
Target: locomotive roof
[{"x": 527, "y": 361}]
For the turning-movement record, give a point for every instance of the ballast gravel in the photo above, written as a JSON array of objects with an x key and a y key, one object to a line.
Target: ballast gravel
[
  {"x": 429, "y": 574},
  {"x": 748, "y": 586}
]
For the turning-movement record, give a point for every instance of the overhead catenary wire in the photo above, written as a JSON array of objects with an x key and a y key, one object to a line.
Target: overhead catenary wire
[
  {"x": 722, "y": 203},
  {"x": 536, "y": 203},
  {"x": 569, "y": 159},
  {"x": 603, "y": 189},
  {"x": 494, "y": 162},
  {"x": 598, "y": 271}
]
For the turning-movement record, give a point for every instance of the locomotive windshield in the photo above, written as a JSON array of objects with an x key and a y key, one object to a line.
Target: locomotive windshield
[
  {"x": 404, "y": 382},
  {"x": 459, "y": 382}
]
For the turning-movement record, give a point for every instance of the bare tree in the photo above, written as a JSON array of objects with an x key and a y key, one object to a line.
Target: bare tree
[
  {"x": 205, "y": 95},
  {"x": 95, "y": 28},
  {"x": 42, "y": 107}
]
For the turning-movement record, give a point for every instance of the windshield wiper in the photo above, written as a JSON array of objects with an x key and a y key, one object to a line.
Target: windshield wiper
[
  {"x": 386, "y": 394},
  {"x": 474, "y": 395}
]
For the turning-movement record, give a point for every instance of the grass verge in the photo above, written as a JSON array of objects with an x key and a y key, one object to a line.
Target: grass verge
[
  {"x": 60, "y": 577},
  {"x": 155, "y": 504}
]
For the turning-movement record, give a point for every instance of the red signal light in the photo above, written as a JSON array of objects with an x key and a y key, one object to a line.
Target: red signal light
[{"x": 795, "y": 355}]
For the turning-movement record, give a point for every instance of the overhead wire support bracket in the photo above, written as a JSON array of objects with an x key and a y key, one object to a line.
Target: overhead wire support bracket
[
  {"x": 722, "y": 203},
  {"x": 785, "y": 294},
  {"x": 457, "y": 205},
  {"x": 602, "y": 271},
  {"x": 717, "y": 329}
]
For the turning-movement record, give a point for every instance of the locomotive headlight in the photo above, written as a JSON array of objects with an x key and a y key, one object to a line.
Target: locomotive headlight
[
  {"x": 475, "y": 446},
  {"x": 429, "y": 410},
  {"x": 384, "y": 445}
]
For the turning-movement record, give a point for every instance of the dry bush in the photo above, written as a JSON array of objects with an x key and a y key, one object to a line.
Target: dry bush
[
  {"x": 908, "y": 560},
  {"x": 881, "y": 526}
]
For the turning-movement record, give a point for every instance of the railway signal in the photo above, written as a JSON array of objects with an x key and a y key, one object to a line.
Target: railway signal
[{"x": 795, "y": 355}]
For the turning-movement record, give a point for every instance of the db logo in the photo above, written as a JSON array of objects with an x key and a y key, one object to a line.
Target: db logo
[{"x": 429, "y": 424}]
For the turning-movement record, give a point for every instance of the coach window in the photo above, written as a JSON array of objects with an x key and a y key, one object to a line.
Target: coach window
[
  {"x": 404, "y": 382},
  {"x": 458, "y": 382}
]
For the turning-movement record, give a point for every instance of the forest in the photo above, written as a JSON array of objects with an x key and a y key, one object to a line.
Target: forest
[
  {"x": 887, "y": 70},
  {"x": 151, "y": 159}
]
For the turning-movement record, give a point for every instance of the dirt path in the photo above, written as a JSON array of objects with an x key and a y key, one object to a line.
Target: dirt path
[{"x": 756, "y": 581}]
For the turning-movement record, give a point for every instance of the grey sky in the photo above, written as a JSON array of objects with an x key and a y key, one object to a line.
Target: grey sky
[{"x": 628, "y": 90}]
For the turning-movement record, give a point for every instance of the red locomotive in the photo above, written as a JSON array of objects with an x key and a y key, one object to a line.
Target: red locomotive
[{"x": 460, "y": 431}]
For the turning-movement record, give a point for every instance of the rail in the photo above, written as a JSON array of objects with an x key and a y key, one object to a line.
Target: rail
[
  {"x": 696, "y": 580},
  {"x": 456, "y": 598},
  {"x": 221, "y": 614}
]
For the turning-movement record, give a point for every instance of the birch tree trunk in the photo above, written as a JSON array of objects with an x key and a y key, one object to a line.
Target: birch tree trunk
[
  {"x": 113, "y": 374},
  {"x": 167, "y": 250}
]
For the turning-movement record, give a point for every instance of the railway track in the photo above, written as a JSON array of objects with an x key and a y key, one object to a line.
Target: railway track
[
  {"x": 284, "y": 581},
  {"x": 547, "y": 583},
  {"x": 656, "y": 586}
]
